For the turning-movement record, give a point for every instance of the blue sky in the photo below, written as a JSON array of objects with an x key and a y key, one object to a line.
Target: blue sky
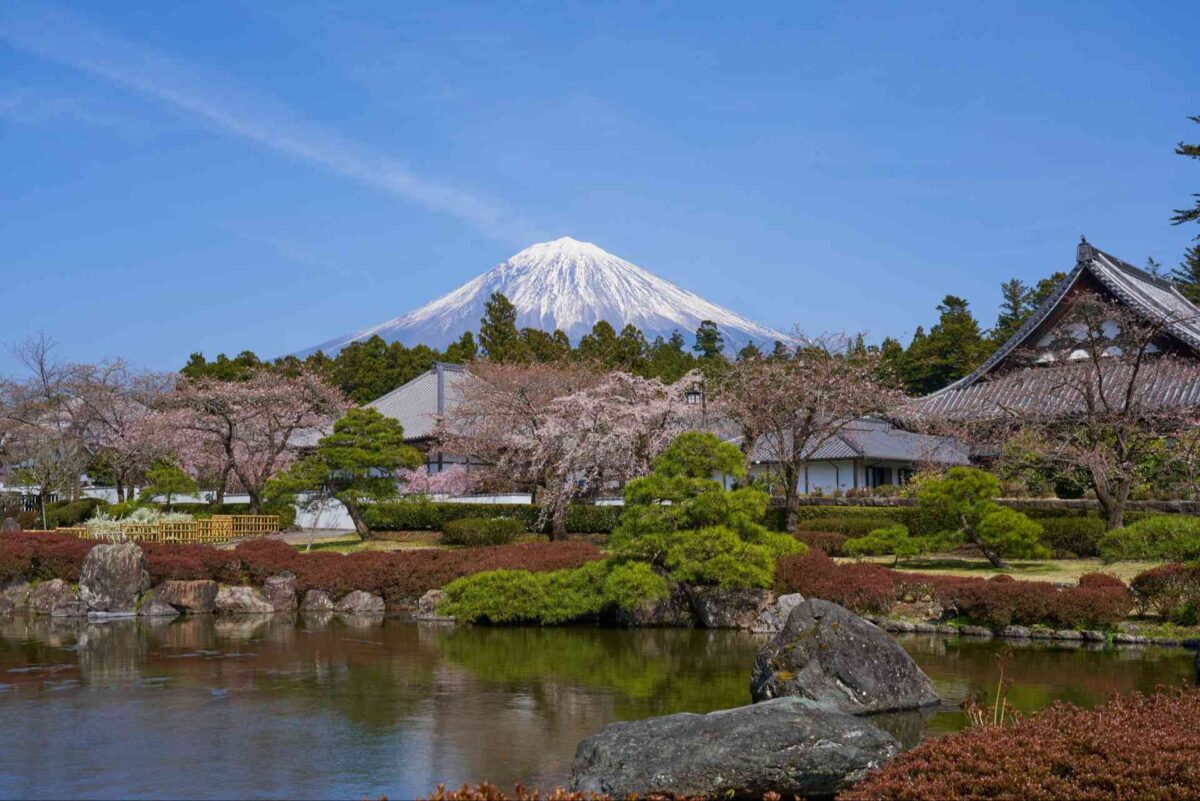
[{"x": 225, "y": 175}]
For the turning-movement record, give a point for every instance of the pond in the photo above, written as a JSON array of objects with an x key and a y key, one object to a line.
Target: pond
[{"x": 259, "y": 708}]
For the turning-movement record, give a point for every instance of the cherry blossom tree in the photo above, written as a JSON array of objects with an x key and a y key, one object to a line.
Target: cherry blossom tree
[
  {"x": 251, "y": 429},
  {"x": 563, "y": 430},
  {"x": 786, "y": 408},
  {"x": 452, "y": 480}
]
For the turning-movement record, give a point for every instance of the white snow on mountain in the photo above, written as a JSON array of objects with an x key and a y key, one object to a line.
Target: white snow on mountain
[{"x": 570, "y": 285}]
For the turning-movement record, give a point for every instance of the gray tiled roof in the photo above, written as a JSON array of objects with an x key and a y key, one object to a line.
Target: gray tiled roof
[
  {"x": 1155, "y": 298},
  {"x": 418, "y": 404},
  {"x": 876, "y": 440}
]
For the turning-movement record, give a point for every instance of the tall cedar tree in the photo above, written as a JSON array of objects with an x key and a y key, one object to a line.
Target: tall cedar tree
[
  {"x": 953, "y": 347},
  {"x": 1192, "y": 214},
  {"x": 1187, "y": 274},
  {"x": 498, "y": 333}
]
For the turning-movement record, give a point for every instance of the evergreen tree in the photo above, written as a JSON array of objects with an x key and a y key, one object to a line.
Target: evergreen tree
[
  {"x": 1192, "y": 214},
  {"x": 750, "y": 351},
  {"x": 546, "y": 348},
  {"x": 891, "y": 361},
  {"x": 953, "y": 347},
  {"x": 498, "y": 333},
  {"x": 631, "y": 350},
  {"x": 600, "y": 346},
  {"x": 1015, "y": 308},
  {"x": 462, "y": 351},
  {"x": 709, "y": 342},
  {"x": 668, "y": 361},
  {"x": 1187, "y": 274},
  {"x": 1154, "y": 267},
  {"x": 780, "y": 351}
]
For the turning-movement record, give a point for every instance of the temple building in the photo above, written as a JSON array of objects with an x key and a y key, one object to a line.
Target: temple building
[{"x": 1013, "y": 380}]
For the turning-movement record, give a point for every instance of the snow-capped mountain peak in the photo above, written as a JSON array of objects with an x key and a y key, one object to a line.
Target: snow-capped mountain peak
[{"x": 570, "y": 285}]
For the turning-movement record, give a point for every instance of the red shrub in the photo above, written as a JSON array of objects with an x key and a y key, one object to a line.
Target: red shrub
[
  {"x": 862, "y": 587},
  {"x": 830, "y": 542},
  {"x": 166, "y": 562},
  {"x": 1100, "y": 581},
  {"x": 16, "y": 559},
  {"x": 1171, "y": 591},
  {"x": 1132, "y": 747}
]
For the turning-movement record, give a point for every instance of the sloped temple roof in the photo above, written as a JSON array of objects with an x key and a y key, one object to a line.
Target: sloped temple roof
[
  {"x": 419, "y": 403},
  {"x": 1149, "y": 296}
]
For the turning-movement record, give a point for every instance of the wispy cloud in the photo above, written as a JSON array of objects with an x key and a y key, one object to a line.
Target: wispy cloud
[{"x": 240, "y": 111}]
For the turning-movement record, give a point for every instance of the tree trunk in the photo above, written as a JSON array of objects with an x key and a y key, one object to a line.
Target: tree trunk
[
  {"x": 222, "y": 483},
  {"x": 791, "y": 496},
  {"x": 120, "y": 491},
  {"x": 360, "y": 524},
  {"x": 255, "y": 501},
  {"x": 558, "y": 521},
  {"x": 977, "y": 541},
  {"x": 1112, "y": 501}
]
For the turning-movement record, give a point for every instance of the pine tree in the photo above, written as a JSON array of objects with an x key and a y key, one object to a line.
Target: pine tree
[
  {"x": 1192, "y": 214},
  {"x": 749, "y": 351},
  {"x": 498, "y": 331},
  {"x": 709, "y": 342},
  {"x": 953, "y": 348},
  {"x": 1187, "y": 274},
  {"x": 1015, "y": 307}
]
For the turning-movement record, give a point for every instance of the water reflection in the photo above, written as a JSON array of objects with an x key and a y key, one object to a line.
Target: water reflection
[{"x": 319, "y": 706}]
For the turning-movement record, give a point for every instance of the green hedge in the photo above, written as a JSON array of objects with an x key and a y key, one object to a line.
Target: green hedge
[
  {"x": 428, "y": 516},
  {"x": 480, "y": 531},
  {"x": 72, "y": 513}
]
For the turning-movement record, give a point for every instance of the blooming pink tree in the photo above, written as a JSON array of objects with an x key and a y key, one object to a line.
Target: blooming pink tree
[
  {"x": 252, "y": 429},
  {"x": 564, "y": 430},
  {"x": 452, "y": 480}
]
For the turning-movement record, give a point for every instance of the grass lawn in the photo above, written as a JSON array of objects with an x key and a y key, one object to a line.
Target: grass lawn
[
  {"x": 352, "y": 543},
  {"x": 1065, "y": 571}
]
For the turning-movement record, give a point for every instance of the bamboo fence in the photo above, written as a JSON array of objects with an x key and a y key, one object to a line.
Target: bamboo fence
[{"x": 215, "y": 529}]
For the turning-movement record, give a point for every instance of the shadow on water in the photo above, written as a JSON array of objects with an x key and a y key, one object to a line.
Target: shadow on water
[{"x": 324, "y": 706}]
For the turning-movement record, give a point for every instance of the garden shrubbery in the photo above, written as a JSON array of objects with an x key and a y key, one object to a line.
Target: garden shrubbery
[
  {"x": 400, "y": 576},
  {"x": 1171, "y": 592},
  {"x": 851, "y": 526},
  {"x": 1099, "y": 601},
  {"x": 1068, "y": 536},
  {"x": 421, "y": 515},
  {"x": 1134, "y": 746},
  {"x": 830, "y": 542},
  {"x": 477, "y": 531},
  {"x": 1174, "y": 538}
]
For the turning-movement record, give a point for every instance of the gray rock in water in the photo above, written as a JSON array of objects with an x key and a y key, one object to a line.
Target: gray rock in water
[
  {"x": 674, "y": 611},
  {"x": 280, "y": 592},
  {"x": 47, "y": 595},
  {"x": 10, "y": 525},
  {"x": 113, "y": 577},
  {"x": 242, "y": 601},
  {"x": 775, "y": 616},
  {"x": 7, "y": 607},
  {"x": 189, "y": 597},
  {"x": 156, "y": 608},
  {"x": 427, "y": 608},
  {"x": 17, "y": 592},
  {"x": 74, "y": 608},
  {"x": 316, "y": 601},
  {"x": 360, "y": 603},
  {"x": 720, "y": 608},
  {"x": 792, "y": 746},
  {"x": 829, "y": 654}
]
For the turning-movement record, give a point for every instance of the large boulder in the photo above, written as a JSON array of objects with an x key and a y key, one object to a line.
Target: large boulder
[
  {"x": 7, "y": 607},
  {"x": 829, "y": 654},
  {"x": 675, "y": 611},
  {"x": 775, "y": 617},
  {"x": 113, "y": 577},
  {"x": 46, "y": 595},
  {"x": 280, "y": 592},
  {"x": 316, "y": 601},
  {"x": 721, "y": 608},
  {"x": 242, "y": 601},
  {"x": 360, "y": 603},
  {"x": 189, "y": 597},
  {"x": 789, "y": 746},
  {"x": 10, "y": 525},
  {"x": 157, "y": 608},
  {"x": 427, "y": 608},
  {"x": 17, "y": 592}
]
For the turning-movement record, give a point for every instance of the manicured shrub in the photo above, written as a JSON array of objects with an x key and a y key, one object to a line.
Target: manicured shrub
[
  {"x": 167, "y": 562},
  {"x": 1171, "y": 592},
  {"x": 893, "y": 540},
  {"x": 548, "y": 598},
  {"x": 477, "y": 531},
  {"x": 1072, "y": 536},
  {"x": 1134, "y": 746},
  {"x": 73, "y": 513},
  {"x": 16, "y": 559},
  {"x": 422, "y": 515},
  {"x": 1171, "y": 537},
  {"x": 856, "y": 526},
  {"x": 862, "y": 588},
  {"x": 830, "y": 542}
]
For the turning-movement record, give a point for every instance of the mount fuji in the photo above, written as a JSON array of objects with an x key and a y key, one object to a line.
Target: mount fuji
[{"x": 570, "y": 285}]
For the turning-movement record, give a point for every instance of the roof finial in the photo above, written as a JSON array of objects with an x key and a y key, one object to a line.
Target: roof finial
[{"x": 1084, "y": 251}]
